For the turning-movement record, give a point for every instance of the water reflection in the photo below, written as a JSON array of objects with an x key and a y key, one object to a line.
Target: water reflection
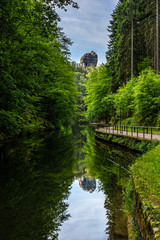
[
  {"x": 45, "y": 186},
  {"x": 88, "y": 219},
  {"x": 88, "y": 184},
  {"x": 35, "y": 180},
  {"x": 110, "y": 166}
]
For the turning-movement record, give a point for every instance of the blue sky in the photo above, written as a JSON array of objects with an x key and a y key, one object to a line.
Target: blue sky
[{"x": 87, "y": 27}]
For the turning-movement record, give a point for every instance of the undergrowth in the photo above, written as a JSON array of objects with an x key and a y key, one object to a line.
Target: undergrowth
[
  {"x": 133, "y": 143},
  {"x": 146, "y": 172}
]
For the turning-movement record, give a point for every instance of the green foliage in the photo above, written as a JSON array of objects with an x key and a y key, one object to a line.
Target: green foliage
[
  {"x": 124, "y": 101},
  {"x": 147, "y": 168},
  {"x": 147, "y": 98},
  {"x": 99, "y": 100},
  {"x": 132, "y": 143},
  {"x": 146, "y": 174},
  {"x": 113, "y": 94},
  {"x": 144, "y": 64},
  {"x": 41, "y": 171},
  {"x": 128, "y": 197},
  {"x": 36, "y": 76},
  {"x": 136, "y": 103},
  {"x": 10, "y": 122},
  {"x": 131, "y": 20},
  {"x": 80, "y": 78}
]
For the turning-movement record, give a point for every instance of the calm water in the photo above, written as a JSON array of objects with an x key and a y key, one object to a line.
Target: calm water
[{"x": 63, "y": 186}]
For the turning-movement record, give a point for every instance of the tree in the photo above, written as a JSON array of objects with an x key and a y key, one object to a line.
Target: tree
[
  {"x": 147, "y": 100},
  {"x": 34, "y": 59},
  {"x": 99, "y": 100},
  {"x": 157, "y": 35},
  {"x": 134, "y": 37},
  {"x": 125, "y": 102},
  {"x": 120, "y": 53}
]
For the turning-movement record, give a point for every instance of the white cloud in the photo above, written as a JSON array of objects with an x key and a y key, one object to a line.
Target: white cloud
[
  {"x": 87, "y": 26},
  {"x": 88, "y": 220}
]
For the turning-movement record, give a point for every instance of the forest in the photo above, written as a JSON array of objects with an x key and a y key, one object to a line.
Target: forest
[
  {"x": 37, "y": 88},
  {"x": 126, "y": 89},
  {"x": 40, "y": 88}
]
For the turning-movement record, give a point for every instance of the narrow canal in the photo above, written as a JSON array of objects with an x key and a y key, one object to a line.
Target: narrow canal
[{"x": 62, "y": 186}]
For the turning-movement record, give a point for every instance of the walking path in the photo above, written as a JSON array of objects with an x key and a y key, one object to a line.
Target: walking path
[{"x": 114, "y": 131}]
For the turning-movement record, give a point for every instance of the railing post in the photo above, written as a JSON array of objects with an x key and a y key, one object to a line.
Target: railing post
[{"x": 133, "y": 130}]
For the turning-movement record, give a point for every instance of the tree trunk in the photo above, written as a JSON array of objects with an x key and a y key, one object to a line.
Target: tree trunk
[
  {"x": 157, "y": 36},
  {"x": 132, "y": 49}
]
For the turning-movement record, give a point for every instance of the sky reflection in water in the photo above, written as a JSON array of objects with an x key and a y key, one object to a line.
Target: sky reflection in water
[
  {"x": 36, "y": 195},
  {"x": 88, "y": 215}
]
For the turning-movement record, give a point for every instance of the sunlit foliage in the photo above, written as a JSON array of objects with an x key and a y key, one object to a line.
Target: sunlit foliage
[{"x": 36, "y": 82}]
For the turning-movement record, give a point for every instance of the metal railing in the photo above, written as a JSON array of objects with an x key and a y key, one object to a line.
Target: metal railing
[{"x": 134, "y": 131}]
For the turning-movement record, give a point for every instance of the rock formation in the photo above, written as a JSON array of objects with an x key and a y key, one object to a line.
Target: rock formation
[
  {"x": 89, "y": 59},
  {"x": 87, "y": 184}
]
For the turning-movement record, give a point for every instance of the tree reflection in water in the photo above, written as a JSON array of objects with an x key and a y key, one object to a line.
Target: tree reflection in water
[
  {"x": 36, "y": 176},
  {"x": 112, "y": 178}
]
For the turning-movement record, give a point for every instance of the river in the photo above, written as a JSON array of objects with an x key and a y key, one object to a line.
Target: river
[{"x": 64, "y": 186}]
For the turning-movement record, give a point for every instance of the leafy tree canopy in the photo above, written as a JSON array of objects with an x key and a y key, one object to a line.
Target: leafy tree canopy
[{"x": 36, "y": 82}]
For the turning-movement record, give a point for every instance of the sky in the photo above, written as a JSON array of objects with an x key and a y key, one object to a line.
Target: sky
[{"x": 87, "y": 27}]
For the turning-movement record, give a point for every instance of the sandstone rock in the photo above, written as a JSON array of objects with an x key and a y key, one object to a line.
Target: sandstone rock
[
  {"x": 89, "y": 59},
  {"x": 87, "y": 184}
]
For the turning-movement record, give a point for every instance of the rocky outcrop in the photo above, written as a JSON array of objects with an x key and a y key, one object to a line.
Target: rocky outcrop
[
  {"x": 87, "y": 184},
  {"x": 89, "y": 59}
]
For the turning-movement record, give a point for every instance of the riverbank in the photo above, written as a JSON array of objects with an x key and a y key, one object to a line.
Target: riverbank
[
  {"x": 145, "y": 174},
  {"x": 146, "y": 191},
  {"x": 137, "y": 144},
  {"x": 67, "y": 161}
]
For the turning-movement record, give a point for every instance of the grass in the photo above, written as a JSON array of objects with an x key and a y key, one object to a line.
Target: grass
[
  {"x": 147, "y": 171},
  {"x": 146, "y": 175},
  {"x": 145, "y": 184}
]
